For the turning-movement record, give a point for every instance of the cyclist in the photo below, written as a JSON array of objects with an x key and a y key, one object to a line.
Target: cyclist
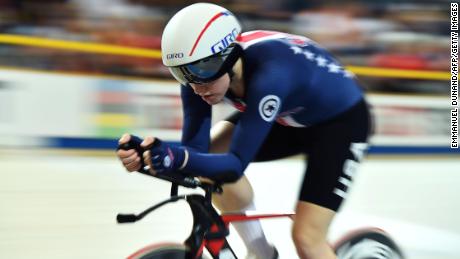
[{"x": 292, "y": 97}]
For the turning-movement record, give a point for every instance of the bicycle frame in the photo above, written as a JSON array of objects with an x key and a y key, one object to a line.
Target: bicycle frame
[{"x": 210, "y": 229}]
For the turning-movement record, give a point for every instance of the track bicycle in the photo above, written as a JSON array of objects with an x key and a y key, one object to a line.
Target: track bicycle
[{"x": 210, "y": 229}]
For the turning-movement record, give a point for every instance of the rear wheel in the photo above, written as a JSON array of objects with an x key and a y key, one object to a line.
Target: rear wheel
[
  {"x": 162, "y": 251},
  {"x": 369, "y": 243}
]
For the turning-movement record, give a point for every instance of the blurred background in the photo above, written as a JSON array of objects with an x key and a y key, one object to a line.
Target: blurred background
[
  {"x": 73, "y": 61},
  {"x": 76, "y": 74}
]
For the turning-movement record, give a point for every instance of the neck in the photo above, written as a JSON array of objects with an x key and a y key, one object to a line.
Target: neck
[{"x": 237, "y": 85}]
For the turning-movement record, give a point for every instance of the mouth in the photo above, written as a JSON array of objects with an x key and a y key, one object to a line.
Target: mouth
[
  {"x": 206, "y": 96},
  {"x": 209, "y": 98}
]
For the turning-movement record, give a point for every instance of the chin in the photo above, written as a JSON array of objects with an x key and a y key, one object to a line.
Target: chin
[{"x": 213, "y": 101}]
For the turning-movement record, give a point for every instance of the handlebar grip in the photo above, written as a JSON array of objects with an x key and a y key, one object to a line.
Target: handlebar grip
[
  {"x": 126, "y": 218},
  {"x": 177, "y": 178},
  {"x": 133, "y": 143}
]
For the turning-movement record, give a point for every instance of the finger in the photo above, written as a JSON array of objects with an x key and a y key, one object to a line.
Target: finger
[
  {"x": 133, "y": 169},
  {"x": 205, "y": 180},
  {"x": 152, "y": 171},
  {"x": 124, "y": 139},
  {"x": 128, "y": 160},
  {"x": 147, "y": 143},
  {"x": 134, "y": 166},
  {"x": 122, "y": 154},
  {"x": 125, "y": 153},
  {"x": 147, "y": 160}
]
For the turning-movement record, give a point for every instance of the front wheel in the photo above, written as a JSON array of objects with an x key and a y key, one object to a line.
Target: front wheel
[
  {"x": 162, "y": 251},
  {"x": 371, "y": 243}
]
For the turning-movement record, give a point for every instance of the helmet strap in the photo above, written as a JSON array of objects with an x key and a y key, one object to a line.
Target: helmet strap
[{"x": 231, "y": 60}]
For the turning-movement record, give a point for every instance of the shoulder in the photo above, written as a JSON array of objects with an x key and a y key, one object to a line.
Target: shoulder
[
  {"x": 256, "y": 41},
  {"x": 265, "y": 54}
]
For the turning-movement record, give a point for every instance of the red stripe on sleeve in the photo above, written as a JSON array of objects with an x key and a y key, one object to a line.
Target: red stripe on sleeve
[{"x": 254, "y": 36}]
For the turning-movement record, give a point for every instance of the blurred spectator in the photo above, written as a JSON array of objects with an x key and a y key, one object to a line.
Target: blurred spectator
[{"x": 367, "y": 33}]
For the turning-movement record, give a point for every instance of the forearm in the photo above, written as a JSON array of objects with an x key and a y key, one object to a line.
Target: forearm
[{"x": 225, "y": 167}]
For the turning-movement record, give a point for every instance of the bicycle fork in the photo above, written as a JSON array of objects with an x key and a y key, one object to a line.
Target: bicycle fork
[{"x": 209, "y": 230}]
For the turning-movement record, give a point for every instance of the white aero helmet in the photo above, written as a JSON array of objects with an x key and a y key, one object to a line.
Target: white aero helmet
[{"x": 196, "y": 44}]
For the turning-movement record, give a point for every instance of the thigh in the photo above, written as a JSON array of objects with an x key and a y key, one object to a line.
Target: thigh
[
  {"x": 281, "y": 141},
  {"x": 337, "y": 148},
  {"x": 221, "y": 136},
  {"x": 237, "y": 195}
]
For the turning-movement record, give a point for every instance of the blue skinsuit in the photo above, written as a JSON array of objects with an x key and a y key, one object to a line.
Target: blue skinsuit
[{"x": 288, "y": 79}]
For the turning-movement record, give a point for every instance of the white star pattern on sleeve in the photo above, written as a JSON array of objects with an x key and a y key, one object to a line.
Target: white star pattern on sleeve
[
  {"x": 348, "y": 74},
  {"x": 296, "y": 49},
  {"x": 309, "y": 55},
  {"x": 334, "y": 68},
  {"x": 321, "y": 62}
]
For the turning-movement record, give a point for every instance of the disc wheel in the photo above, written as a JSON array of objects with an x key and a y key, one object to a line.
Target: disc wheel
[
  {"x": 163, "y": 251},
  {"x": 368, "y": 244}
]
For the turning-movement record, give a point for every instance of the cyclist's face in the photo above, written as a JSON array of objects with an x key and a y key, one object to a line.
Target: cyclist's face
[{"x": 213, "y": 92}]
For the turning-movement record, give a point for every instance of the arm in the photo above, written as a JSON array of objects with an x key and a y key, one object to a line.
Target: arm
[
  {"x": 266, "y": 92},
  {"x": 197, "y": 121}
]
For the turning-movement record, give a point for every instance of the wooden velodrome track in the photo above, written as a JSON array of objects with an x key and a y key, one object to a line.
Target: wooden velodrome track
[{"x": 55, "y": 205}]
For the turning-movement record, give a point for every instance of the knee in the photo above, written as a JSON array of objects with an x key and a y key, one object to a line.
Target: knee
[
  {"x": 234, "y": 201},
  {"x": 309, "y": 241},
  {"x": 236, "y": 197},
  {"x": 305, "y": 239}
]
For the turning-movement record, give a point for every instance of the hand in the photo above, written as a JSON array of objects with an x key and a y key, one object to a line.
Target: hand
[
  {"x": 161, "y": 157},
  {"x": 130, "y": 158}
]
